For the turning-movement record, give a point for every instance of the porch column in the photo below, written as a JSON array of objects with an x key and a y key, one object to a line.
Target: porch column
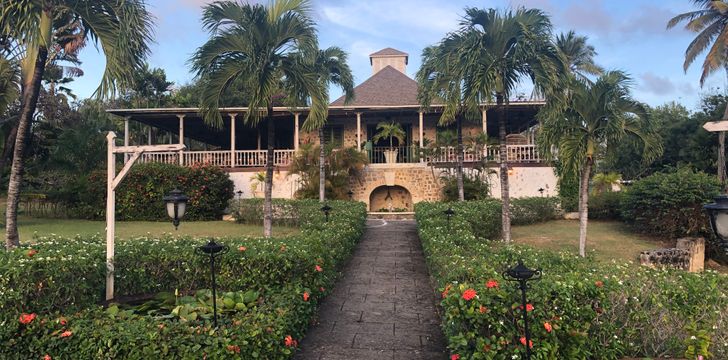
[
  {"x": 126, "y": 136},
  {"x": 149, "y": 135},
  {"x": 295, "y": 131},
  {"x": 358, "y": 131},
  {"x": 421, "y": 131},
  {"x": 232, "y": 139},
  {"x": 485, "y": 130},
  {"x": 181, "y": 118}
]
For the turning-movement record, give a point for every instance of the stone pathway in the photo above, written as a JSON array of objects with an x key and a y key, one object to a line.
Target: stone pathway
[{"x": 383, "y": 307}]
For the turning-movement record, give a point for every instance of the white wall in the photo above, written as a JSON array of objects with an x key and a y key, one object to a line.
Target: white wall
[
  {"x": 284, "y": 186},
  {"x": 525, "y": 182}
]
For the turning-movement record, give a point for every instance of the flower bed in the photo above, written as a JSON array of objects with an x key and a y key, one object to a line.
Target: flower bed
[
  {"x": 49, "y": 294},
  {"x": 580, "y": 309}
]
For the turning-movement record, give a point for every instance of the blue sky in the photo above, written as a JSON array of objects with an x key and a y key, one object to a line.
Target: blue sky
[{"x": 629, "y": 35}]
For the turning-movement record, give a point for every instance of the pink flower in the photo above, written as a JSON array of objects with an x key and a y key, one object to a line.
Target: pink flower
[
  {"x": 66, "y": 334},
  {"x": 454, "y": 357},
  {"x": 26, "y": 319},
  {"x": 47, "y": 357},
  {"x": 242, "y": 248},
  {"x": 547, "y": 326},
  {"x": 491, "y": 284},
  {"x": 319, "y": 269},
  {"x": 469, "y": 294}
]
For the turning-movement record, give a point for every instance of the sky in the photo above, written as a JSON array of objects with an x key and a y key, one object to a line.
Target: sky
[{"x": 629, "y": 35}]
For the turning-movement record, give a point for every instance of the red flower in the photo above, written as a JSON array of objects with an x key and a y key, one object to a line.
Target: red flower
[
  {"x": 598, "y": 283},
  {"x": 234, "y": 348},
  {"x": 290, "y": 342},
  {"x": 47, "y": 357},
  {"x": 447, "y": 290},
  {"x": 32, "y": 252},
  {"x": 26, "y": 319},
  {"x": 523, "y": 342},
  {"x": 66, "y": 334},
  {"x": 529, "y": 307},
  {"x": 469, "y": 294},
  {"x": 305, "y": 296},
  {"x": 63, "y": 321},
  {"x": 483, "y": 309},
  {"x": 548, "y": 327},
  {"x": 454, "y": 357},
  {"x": 491, "y": 284},
  {"x": 319, "y": 269},
  {"x": 322, "y": 289},
  {"x": 242, "y": 248}
]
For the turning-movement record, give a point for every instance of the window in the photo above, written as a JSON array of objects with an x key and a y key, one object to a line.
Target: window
[{"x": 334, "y": 135}]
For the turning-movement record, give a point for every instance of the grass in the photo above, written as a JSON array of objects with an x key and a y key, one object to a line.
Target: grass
[
  {"x": 28, "y": 226},
  {"x": 610, "y": 239}
]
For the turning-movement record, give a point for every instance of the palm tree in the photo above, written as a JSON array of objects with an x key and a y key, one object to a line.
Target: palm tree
[
  {"x": 9, "y": 84},
  {"x": 578, "y": 54},
  {"x": 262, "y": 46},
  {"x": 711, "y": 25},
  {"x": 488, "y": 56},
  {"x": 592, "y": 119},
  {"x": 332, "y": 68},
  {"x": 122, "y": 28}
]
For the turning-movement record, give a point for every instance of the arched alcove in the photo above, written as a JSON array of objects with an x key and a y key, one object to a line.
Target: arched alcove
[{"x": 390, "y": 198}]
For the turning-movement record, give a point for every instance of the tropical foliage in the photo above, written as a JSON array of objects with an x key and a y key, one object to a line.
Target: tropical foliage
[
  {"x": 287, "y": 277},
  {"x": 341, "y": 168}
]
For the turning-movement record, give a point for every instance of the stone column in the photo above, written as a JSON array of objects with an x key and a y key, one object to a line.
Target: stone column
[
  {"x": 181, "y": 118},
  {"x": 696, "y": 250},
  {"x": 295, "y": 131},
  {"x": 232, "y": 140}
]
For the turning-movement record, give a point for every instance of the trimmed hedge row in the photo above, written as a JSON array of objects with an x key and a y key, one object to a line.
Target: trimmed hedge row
[
  {"x": 62, "y": 280},
  {"x": 580, "y": 309},
  {"x": 139, "y": 196}
]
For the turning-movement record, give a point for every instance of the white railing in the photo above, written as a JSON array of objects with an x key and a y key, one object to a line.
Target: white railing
[
  {"x": 515, "y": 153},
  {"x": 221, "y": 158}
]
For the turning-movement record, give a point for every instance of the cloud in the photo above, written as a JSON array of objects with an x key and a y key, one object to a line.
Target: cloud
[{"x": 656, "y": 84}]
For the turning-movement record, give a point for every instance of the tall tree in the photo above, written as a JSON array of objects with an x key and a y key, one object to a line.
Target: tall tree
[
  {"x": 331, "y": 66},
  {"x": 491, "y": 53},
  {"x": 578, "y": 54},
  {"x": 589, "y": 120},
  {"x": 122, "y": 28},
  {"x": 263, "y": 47},
  {"x": 710, "y": 23},
  {"x": 9, "y": 84}
]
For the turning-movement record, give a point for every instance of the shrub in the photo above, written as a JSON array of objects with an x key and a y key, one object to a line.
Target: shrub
[
  {"x": 139, "y": 196},
  {"x": 62, "y": 282},
  {"x": 533, "y": 210},
  {"x": 581, "y": 309},
  {"x": 671, "y": 204},
  {"x": 605, "y": 205},
  {"x": 250, "y": 211},
  {"x": 474, "y": 188}
]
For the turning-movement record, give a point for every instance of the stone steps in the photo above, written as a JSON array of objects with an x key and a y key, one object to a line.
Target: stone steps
[{"x": 391, "y": 216}]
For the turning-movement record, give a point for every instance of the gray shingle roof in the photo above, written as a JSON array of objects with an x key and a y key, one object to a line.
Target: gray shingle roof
[
  {"x": 388, "y": 87},
  {"x": 389, "y": 52}
]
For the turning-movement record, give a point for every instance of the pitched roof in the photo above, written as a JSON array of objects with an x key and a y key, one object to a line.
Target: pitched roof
[
  {"x": 388, "y": 87},
  {"x": 388, "y": 52}
]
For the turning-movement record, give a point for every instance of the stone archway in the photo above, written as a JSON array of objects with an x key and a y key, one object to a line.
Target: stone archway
[{"x": 390, "y": 198}]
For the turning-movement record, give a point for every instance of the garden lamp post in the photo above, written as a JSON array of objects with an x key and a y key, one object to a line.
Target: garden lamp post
[
  {"x": 541, "y": 190},
  {"x": 213, "y": 250},
  {"x": 521, "y": 274},
  {"x": 449, "y": 213},
  {"x": 718, "y": 213},
  {"x": 351, "y": 195},
  {"x": 326, "y": 210},
  {"x": 176, "y": 205},
  {"x": 240, "y": 194}
]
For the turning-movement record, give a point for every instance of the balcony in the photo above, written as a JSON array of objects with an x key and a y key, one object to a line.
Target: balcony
[{"x": 221, "y": 158}]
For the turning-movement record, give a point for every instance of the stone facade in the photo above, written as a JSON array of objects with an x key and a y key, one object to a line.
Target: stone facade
[
  {"x": 418, "y": 180},
  {"x": 688, "y": 254}
]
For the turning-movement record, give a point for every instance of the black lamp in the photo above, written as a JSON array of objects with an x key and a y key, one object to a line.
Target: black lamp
[
  {"x": 240, "y": 194},
  {"x": 176, "y": 205},
  {"x": 521, "y": 274},
  {"x": 541, "y": 190},
  {"x": 326, "y": 210},
  {"x": 351, "y": 194},
  {"x": 449, "y": 213},
  {"x": 718, "y": 213},
  {"x": 213, "y": 250}
]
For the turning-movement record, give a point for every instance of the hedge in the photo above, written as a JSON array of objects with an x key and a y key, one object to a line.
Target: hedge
[
  {"x": 531, "y": 210},
  {"x": 61, "y": 281},
  {"x": 671, "y": 204},
  {"x": 139, "y": 195},
  {"x": 580, "y": 309}
]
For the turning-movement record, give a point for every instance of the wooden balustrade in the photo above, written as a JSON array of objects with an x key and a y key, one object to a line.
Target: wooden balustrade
[{"x": 221, "y": 158}]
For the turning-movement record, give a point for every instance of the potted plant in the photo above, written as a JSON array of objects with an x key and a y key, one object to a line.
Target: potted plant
[{"x": 390, "y": 130}]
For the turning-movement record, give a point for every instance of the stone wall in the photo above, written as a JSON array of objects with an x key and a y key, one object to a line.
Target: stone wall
[
  {"x": 688, "y": 254},
  {"x": 416, "y": 179}
]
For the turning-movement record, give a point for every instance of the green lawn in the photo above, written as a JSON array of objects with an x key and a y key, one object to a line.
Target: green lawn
[
  {"x": 125, "y": 229},
  {"x": 610, "y": 239}
]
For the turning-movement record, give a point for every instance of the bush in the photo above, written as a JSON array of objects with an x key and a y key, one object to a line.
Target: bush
[
  {"x": 580, "y": 309},
  {"x": 62, "y": 281},
  {"x": 605, "y": 205},
  {"x": 484, "y": 217},
  {"x": 139, "y": 196},
  {"x": 671, "y": 204},
  {"x": 533, "y": 210},
  {"x": 250, "y": 211},
  {"x": 473, "y": 187}
]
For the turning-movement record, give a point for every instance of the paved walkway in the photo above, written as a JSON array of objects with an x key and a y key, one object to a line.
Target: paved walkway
[{"x": 383, "y": 307}]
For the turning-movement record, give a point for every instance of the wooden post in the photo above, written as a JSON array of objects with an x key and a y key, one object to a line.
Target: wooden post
[
  {"x": 232, "y": 140},
  {"x": 181, "y": 136},
  {"x": 358, "y": 131},
  {"x": 295, "y": 131},
  {"x": 110, "y": 213}
]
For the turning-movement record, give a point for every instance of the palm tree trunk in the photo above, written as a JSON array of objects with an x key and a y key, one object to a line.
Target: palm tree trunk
[
  {"x": 268, "y": 202},
  {"x": 8, "y": 148},
  {"x": 322, "y": 166},
  {"x": 460, "y": 159},
  {"x": 505, "y": 191},
  {"x": 721, "y": 153},
  {"x": 30, "y": 101},
  {"x": 584, "y": 206}
]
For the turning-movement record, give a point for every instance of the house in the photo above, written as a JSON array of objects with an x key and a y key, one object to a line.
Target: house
[{"x": 387, "y": 95}]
